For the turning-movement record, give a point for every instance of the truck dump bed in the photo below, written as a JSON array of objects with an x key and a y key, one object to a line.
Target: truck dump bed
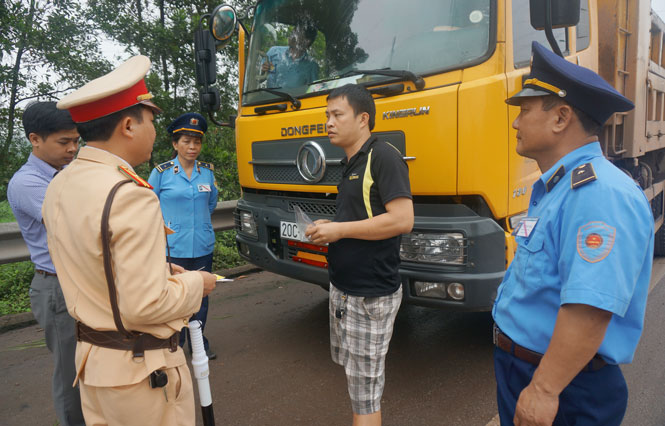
[{"x": 631, "y": 56}]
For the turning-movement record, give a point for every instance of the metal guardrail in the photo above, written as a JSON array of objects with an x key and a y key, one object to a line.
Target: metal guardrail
[{"x": 13, "y": 248}]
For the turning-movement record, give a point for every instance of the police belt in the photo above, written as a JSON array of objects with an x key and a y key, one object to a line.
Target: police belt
[
  {"x": 504, "y": 343},
  {"x": 138, "y": 343}
]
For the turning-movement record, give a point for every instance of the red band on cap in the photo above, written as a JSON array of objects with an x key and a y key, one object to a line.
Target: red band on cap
[{"x": 110, "y": 104}]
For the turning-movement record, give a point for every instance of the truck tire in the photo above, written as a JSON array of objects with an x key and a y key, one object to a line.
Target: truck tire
[{"x": 659, "y": 242}]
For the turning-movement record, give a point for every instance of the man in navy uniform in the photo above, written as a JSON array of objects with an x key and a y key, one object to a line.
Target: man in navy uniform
[{"x": 571, "y": 305}]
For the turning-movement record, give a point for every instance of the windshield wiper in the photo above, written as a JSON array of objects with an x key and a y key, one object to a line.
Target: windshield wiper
[
  {"x": 403, "y": 74},
  {"x": 283, "y": 96}
]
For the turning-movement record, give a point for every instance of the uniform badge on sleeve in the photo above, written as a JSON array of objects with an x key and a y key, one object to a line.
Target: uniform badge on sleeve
[{"x": 595, "y": 241}]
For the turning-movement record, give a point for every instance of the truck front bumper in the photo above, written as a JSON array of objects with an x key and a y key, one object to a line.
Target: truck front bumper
[{"x": 480, "y": 275}]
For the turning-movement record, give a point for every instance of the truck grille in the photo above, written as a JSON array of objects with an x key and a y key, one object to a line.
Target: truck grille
[
  {"x": 290, "y": 175},
  {"x": 275, "y": 161},
  {"x": 315, "y": 208}
]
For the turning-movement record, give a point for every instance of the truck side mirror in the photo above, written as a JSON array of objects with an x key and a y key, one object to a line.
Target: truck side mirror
[
  {"x": 209, "y": 100},
  {"x": 204, "y": 55},
  {"x": 206, "y": 70},
  {"x": 564, "y": 13},
  {"x": 223, "y": 22}
]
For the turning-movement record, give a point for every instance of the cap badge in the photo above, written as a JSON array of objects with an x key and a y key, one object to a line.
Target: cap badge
[
  {"x": 144, "y": 97},
  {"x": 194, "y": 121}
]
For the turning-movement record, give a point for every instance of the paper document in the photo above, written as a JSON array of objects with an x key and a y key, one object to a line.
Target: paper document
[{"x": 222, "y": 279}]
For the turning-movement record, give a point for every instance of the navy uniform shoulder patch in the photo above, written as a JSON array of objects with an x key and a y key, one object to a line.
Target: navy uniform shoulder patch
[
  {"x": 595, "y": 241},
  {"x": 582, "y": 175},
  {"x": 555, "y": 178},
  {"x": 165, "y": 166},
  {"x": 133, "y": 176},
  {"x": 208, "y": 166}
]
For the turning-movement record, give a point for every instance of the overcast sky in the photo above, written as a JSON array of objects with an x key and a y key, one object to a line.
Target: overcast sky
[{"x": 659, "y": 7}]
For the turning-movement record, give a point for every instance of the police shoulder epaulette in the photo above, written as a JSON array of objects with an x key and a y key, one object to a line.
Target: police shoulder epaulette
[
  {"x": 206, "y": 165},
  {"x": 582, "y": 175},
  {"x": 133, "y": 176},
  {"x": 165, "y": 166}
]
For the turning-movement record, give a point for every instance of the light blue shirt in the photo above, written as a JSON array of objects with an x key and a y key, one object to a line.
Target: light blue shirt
[
  {"x": 187, "y": 203},
  {"x": 25, "y": 193},
  {"x": 290, "y": 72},
  {"x": 591, "y": 245}
]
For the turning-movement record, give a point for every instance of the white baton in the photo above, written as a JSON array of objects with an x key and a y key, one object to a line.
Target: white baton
[{"x": 201, "y": 371}]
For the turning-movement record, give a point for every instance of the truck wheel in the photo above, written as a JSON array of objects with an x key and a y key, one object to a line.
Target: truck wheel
[{"x": 659, "y": 242}]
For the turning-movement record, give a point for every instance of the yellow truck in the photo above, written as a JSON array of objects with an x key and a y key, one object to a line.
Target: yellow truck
[{"x": 439, "y": 71}]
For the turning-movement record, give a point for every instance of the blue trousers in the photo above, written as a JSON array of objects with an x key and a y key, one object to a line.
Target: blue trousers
[
  {"x": 593, "y": 398},
  {"x": 203, "y": 263}
]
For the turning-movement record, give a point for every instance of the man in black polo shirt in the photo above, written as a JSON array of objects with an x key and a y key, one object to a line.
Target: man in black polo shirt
[{"x": 374, "y": 209}]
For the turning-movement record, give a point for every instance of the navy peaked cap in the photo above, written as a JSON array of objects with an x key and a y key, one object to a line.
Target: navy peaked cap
[
  {"x": 191, "y": 122},
  {"x": 580, "y": 87}
]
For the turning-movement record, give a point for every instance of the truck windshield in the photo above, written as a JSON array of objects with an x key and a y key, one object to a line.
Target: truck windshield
[{"x": 303, "y": 47}]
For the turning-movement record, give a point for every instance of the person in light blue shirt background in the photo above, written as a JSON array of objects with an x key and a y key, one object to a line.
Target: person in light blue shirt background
[
  {"x": 54, "y": 140},
  {"x": 571, "y": 305},
  {"x": 291, "y": 66},
  {"x": 187, "y": 193}
]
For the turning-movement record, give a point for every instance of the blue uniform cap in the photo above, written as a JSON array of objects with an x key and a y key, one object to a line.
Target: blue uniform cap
[
  {"x": 191, "y": 123},
  {"x": 579, "y": 86}
]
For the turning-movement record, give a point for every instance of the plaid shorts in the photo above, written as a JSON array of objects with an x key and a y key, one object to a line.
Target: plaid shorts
[{"x": 359, "y": 342}]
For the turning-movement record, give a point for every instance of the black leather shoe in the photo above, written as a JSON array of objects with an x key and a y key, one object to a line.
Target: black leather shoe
[{"x": 211, "y": 354}]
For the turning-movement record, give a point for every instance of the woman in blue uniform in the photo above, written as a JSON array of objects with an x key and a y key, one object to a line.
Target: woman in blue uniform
[{"x": 188, "y": 195}]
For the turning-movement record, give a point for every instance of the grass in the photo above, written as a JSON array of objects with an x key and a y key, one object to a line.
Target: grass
[
  {"x": 6, "y": 214},
  {"x": 226, "y": 254},
  {"x": 15, "y": 281},
  {"x": 14, "y": 277}
]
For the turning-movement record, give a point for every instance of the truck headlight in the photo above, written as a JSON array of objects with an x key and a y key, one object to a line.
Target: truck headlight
[
  {"x": 448, "y": 248},
  {"x": 454, "y": 291},
  {"x": 247, "y": 225},
  {"x": 430, "y": 289}
]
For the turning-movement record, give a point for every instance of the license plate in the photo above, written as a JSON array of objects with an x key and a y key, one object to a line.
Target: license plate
[{"x": 290, "y": 231}]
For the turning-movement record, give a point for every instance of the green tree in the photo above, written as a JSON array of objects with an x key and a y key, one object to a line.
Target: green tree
[
  {"x": 163, "y": 31},
  {"x": 47, "y": 48}
]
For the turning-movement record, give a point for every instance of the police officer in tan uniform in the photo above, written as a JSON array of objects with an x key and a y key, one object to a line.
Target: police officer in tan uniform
[{"x": 107, "y": 240}]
